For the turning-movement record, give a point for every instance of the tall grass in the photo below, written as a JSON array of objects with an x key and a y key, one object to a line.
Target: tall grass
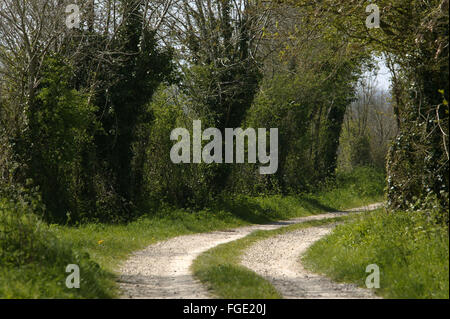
[
  {"x": 410, "y": 248},
  {"x": 33, "y": 261}
]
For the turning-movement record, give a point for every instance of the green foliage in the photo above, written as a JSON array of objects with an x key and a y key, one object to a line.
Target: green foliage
[
  {"x": 129, "y": 87},
  {"x": 349, "y": 189},
  {"x": 185, "y": 185},
  {"x": 410, "y": 248},
  {"x": 33, "y": 261},
  {"x": 414, "y": 37},
  {"x": 309, "y": 129},
  {"x": 119, "y": 240},
  {"x": 84, "y": 126},
  {"x": 192, "y": 185},
  {"x": 221, "y": 77},
  {"x": 44, "y": 251},
  {"x": 410, "y": 154},
  {"x": 60, "y": 135},
  {"x": 360, "y": 152}
]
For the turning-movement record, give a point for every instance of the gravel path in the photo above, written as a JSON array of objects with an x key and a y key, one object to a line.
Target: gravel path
[
  {"x": 162, "y": 270},
  {"x": 278, "y": 260}
]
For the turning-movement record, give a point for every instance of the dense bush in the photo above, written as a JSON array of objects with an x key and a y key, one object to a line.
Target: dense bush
[
  {"x": 297, "y": 104},
  {"x": 407, "y": 189},
  {"x": 56, "y": 146}
]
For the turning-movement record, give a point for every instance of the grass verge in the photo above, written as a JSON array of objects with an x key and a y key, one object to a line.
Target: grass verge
[
  {"x": 99, "y": 248},
  {"x": 220, "y": 270},
  {"x": 33, "y": 261},
  {"x": 410, "y": 249}
]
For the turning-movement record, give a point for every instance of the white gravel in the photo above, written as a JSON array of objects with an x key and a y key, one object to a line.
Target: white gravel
[
  {"x": 162, "y": 270},
  {"x": 278, "y": 260}
]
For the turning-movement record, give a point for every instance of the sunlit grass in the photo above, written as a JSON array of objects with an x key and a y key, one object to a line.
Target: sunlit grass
[
  {"x": 107, "y": 245},
  {"x": 220, "y": 270},
  {"x": 411, "y": 251}
]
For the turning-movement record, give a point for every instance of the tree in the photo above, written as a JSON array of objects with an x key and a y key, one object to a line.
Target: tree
[
  {"x": 310, "y": 75},
  {"x": 218, "y": 40},
  {"x": 112, "y": 60},
  {"x": 414, "y": 37},
  {"x": 369, "y": 127}
]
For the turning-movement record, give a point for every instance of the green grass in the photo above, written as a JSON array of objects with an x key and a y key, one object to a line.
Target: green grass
[
  {"x": 411, "y": 251},
  {"x": 33, "y": 261},
  {"x": 220, "y": 271},
  {"x": 101, "y": 247}
]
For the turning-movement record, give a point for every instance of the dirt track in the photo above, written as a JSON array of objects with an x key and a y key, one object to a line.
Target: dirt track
[
  {"x": 277, "y": 260},
  {"x": 162, "y": 270}
]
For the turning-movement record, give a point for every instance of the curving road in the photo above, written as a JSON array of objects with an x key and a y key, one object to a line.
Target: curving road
[{"x": 162, "y": 270}]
